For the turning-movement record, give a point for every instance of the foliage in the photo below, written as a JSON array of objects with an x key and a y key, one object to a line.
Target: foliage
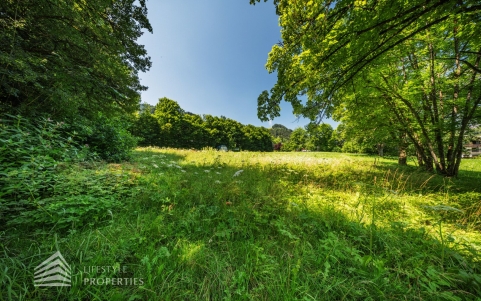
[
  {"x": 320, "y": 137},
  {"x": 30, "y": 154},
  {"x": 280, "y": 131},
  {"x": 147, "y": 128},
  {"x": 298, "y": 140},
  {"x": 70, "y": 57},
  {"x": 416, "y": 65},
  {"x": 171, "y": 126},
  {"x": 325, "y": 45},
  {"x": 78, "y": 198},
  {"x": 109, "y": 138}
]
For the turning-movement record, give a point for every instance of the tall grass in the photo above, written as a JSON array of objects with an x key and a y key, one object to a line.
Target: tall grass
[{"x": 214, "y": 225}]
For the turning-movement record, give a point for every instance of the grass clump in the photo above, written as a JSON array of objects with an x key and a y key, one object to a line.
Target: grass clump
[{"x": 212, "y": 225}]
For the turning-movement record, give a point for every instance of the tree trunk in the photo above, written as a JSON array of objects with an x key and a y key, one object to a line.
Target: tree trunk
[
  {"x": 402, "y": 160},
  {"x": 402, "y": 156},
  {"x": 420, "y": 158},
  {"x": 380, "y": 149},
  {"x": 428, "y": 164}
]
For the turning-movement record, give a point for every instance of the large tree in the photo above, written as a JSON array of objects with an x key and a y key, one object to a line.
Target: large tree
[
  {"x": 65, "y": 57},
  {"x": 331, "y": 47}
]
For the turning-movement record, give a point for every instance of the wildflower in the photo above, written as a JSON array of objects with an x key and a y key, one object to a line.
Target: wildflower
[
  {"x": 155, "y": 165},
  {"x": 217, "y": 182},
  {"x": 207, "y": 170},
  {"x": 237, "y": 173},
  {"x": 217, "y": 172},
  {"x": 182, "y": 170}
]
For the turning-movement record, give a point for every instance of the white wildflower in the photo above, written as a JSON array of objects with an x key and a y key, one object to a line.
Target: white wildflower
[
  {"x": 217, "y": 182},
  {"x": 182, "y": 170},
  {"x": 217, "y": 172},
  {"x": 207, "y": 170},
  {"x": 237, "y": 173},
  {"x": 155, "y": 165}
]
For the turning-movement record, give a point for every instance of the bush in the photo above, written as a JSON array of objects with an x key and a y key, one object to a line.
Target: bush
[
  {"x": 108, "y": 138},
  {"x": 30, "y": 151},
  {"x": 81, "y": 197},
  {"x": 38, "y": 189}
]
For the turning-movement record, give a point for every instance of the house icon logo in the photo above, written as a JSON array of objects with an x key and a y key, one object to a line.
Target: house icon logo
[{"x": 54, "y": 271}]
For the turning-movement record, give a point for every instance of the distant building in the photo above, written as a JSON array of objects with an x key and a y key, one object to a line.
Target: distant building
[{"x": 473, "y": 149}]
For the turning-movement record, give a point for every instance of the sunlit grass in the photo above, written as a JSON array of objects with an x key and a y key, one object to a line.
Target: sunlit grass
[{"x": 208, "y": 225}]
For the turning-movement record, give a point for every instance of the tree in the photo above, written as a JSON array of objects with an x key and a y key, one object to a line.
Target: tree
[
  {"x": 169, "y": 116},
  {"x": 147, "y": 128},
  {"x": 298, "y": 140},
  {"x": 369, "y": 126},
  {"x": 430, "y": 96},
  {"x": 72, "y": 57},
  {"x": 319, "y": 137},
  {"x": 256, "y": 139},
  {"x": 325, "y": 44},
  {"x": 331, "y": 50}
]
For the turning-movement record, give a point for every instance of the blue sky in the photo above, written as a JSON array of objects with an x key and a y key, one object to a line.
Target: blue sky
[{"x": 210, "y": 57}]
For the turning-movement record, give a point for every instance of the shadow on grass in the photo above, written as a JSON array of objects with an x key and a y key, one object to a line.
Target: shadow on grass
[{"x": 194, "y": 231}]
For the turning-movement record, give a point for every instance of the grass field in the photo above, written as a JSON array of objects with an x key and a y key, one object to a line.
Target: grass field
[{"x": 211, "y": 225}]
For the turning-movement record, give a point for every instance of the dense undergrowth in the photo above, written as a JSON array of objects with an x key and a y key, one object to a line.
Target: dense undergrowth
[{"x": 212, "y": 225}]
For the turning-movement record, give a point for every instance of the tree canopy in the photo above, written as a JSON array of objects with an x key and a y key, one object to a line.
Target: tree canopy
[
  {"x": 64, "y": 57},
  {"x": 418, "y": 59},
  {"x": 171, "y": 126}
]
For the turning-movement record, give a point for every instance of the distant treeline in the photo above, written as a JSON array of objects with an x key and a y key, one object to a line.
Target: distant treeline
[{"x": 168, "y": 125}]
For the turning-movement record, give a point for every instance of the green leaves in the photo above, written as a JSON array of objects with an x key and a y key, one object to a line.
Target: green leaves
[
  {"x": 392, "y": 70},
  {"x": 61, "y": 57},
  {"x": 171, "y": 126}
]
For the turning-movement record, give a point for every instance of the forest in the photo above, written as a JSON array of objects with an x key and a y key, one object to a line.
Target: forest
[{"x": 105, "y": 196}]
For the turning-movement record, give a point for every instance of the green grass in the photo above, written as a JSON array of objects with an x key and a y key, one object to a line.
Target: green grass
[{"x": 290, "y": 226}]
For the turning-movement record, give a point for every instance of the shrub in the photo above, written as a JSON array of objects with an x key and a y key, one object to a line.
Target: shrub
[
  {"x": 108, "y": 138},
  {"x": 30, "y": 151}
]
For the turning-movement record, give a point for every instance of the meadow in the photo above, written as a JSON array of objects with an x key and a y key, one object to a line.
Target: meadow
[{"x": 209, "y": 225}]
